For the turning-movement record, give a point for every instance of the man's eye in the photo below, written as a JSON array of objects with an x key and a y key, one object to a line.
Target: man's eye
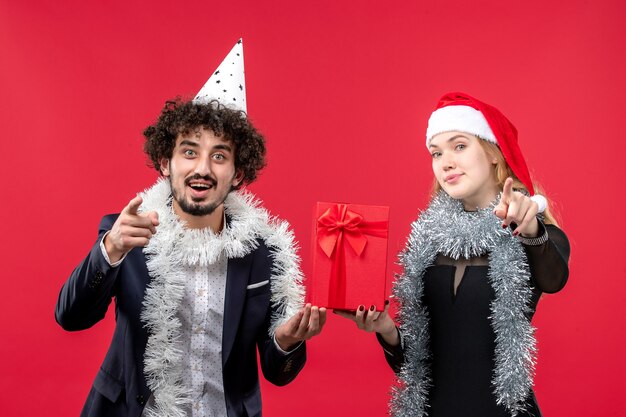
[
  {"x": 189, "y": 152},
  {"x": 219, "y": 157}
]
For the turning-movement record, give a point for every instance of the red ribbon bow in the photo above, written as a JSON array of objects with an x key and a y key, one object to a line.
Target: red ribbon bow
[{"x": 336, "y": 225}]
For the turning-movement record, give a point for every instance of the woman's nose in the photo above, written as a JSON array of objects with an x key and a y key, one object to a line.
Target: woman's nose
[{"x": 447, "y": 161}]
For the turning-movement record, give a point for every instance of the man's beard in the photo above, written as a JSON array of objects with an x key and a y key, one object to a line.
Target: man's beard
[{"x": 195, "y": 208}]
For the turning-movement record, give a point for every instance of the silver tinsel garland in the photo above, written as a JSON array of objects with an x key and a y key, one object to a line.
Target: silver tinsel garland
[
  {"x": 446, "y": 228},
  {"x": 174, "y": 247}
]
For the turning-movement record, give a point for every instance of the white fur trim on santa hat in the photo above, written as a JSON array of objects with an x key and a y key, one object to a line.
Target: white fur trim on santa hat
[{"x": 464, "y": 119}]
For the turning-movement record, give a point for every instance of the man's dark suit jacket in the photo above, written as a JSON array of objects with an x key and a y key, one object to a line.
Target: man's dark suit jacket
[{"x": 120, "y": 388}]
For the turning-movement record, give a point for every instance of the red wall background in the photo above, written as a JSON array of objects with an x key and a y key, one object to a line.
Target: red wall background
[{"x": 342, "y": 91}]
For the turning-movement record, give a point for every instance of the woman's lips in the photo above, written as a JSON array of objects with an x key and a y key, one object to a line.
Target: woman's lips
[{"x": 452, "y": 179}]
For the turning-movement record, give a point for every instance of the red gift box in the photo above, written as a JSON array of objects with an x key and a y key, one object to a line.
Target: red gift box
[{"x": 349, "y": 256}]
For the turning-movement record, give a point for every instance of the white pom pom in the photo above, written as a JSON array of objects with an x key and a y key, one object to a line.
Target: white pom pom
[{"x": 541, "y": 202}]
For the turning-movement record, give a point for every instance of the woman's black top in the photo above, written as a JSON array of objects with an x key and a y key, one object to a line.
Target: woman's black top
[{"x": 462, "y": 341}]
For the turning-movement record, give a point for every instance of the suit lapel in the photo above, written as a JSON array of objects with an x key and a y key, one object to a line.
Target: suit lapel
[{"x": 237, "y": 277}]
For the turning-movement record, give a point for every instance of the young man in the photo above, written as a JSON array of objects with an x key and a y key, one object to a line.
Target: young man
[{"x": 201, "y": 276}]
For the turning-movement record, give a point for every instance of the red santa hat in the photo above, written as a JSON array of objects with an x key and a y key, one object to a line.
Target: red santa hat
[{"x": 463, "y": 113}]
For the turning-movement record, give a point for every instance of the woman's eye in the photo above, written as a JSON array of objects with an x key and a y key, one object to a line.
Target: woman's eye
[
  {"x": 435, "y": 154},
  {"x": 460, "y": 146}
]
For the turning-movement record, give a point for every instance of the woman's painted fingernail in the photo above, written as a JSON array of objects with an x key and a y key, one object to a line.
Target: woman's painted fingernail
[
  {"x": 504, "y": 225},
  {"x": 386, "y": 302},
  {"x": 372, "y": 307},
  {"x": 361, "y": 307},
  {"x": 515, "y": 233}
]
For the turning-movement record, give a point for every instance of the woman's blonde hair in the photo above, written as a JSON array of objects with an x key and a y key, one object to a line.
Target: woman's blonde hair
[{"x": 502, "y": 172}]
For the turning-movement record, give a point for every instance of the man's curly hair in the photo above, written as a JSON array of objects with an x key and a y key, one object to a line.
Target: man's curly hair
[{"x": 183, "y": 117}]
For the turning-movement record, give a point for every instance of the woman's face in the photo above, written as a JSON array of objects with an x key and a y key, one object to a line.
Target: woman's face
[{"x": 463, "y": 169}]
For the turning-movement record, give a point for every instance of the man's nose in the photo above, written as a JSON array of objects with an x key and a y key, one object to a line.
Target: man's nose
[{"x": 203, "y": 166}]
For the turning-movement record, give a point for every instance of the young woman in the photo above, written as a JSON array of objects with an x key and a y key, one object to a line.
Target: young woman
[{"x": 475, "y": 265}]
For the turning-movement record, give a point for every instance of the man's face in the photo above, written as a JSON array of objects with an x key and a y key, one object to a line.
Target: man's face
[{"x": 201, "y": 172}]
